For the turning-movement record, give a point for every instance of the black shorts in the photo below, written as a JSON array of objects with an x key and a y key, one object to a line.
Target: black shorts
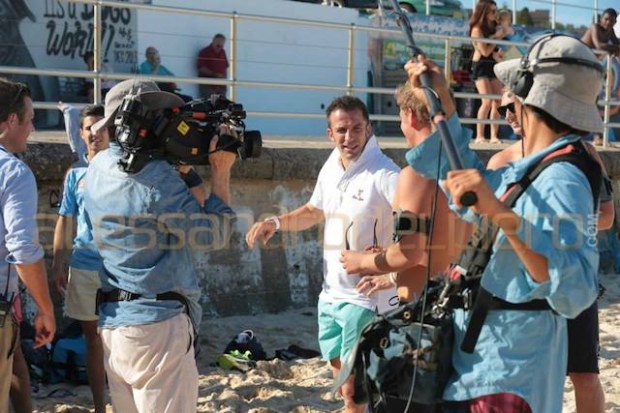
[
  {"x": 483, "y": 68},
  {"x": 583, "y": 343}
]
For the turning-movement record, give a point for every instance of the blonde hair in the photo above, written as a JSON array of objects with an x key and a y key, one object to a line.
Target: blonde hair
[
  {"x": 413, "y": 99},
  {"x": 504, "y": 13}
]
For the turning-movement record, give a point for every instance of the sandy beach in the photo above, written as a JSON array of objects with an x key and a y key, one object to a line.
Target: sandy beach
[{"x": 305, "y": 385}]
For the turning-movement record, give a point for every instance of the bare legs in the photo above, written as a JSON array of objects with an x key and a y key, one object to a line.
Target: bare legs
[
  {"x": 94, "y": 364},
  {"x": 21, "y": 397},
  {"x": 487, "y": 86},
  {"x": 589, "y": 395},
  {"x": 347, "y": 390}
]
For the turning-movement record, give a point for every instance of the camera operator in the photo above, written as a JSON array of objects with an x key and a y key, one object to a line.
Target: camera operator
[{"x": 145, "y": 225}]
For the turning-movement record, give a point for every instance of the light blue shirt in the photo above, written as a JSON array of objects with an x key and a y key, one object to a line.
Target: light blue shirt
[
  {"x": 146, "y": 227},
  {"x": 146, "y": 68},
  {"x": 525, "y": 352},
  {"x": 19, "y": 243},
  {"x": 84, "y": 255}
]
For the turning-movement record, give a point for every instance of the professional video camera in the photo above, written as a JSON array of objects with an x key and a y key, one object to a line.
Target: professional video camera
[{"x": 181, "y": 135}]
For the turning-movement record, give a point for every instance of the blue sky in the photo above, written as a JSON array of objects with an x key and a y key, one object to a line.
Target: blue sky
[{"x": 581, "y": 15}]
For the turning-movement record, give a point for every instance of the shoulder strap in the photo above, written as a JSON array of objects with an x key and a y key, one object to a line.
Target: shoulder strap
[
  {"x": 479, "y": 255},
  {"x": 574, "y": 153}
]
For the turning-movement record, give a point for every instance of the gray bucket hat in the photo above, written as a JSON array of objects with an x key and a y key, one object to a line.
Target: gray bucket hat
[
  {"x": 148, "y": 93},
  {"x": 566, "y": 91}
]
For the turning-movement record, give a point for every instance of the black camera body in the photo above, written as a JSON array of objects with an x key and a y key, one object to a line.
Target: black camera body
[{"x": 181, "y": 135}]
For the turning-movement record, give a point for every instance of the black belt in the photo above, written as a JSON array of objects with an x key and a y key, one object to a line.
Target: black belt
[
  {"x": 484, "y": 302},
  {"x": 118, "y": 294}
]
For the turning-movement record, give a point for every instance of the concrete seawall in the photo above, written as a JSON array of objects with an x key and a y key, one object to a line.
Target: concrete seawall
[{"x": 236, "y": 280}]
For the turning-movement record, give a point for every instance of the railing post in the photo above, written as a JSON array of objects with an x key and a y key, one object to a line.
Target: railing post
[
  {"x": 595, "y": 11},
  {"x": 97, "y": 58},
  {"x": 233, "y": 56},
  {"x": 448, "y": 62},
  {"x": 350, "y": 58},
  {"x": 553, "y": 13},
  {"x": 514, "y": 12},
  {"x": 607, "y": 100}
]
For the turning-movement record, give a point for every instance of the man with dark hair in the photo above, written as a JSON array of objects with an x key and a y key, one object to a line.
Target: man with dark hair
[
  {"x": 76, "y": 262},
  {"x": 212, "y": 62},
  {"x": 601, "y": 36},
  {"x": 353, "y": 197},
  {"x": 19, "y": 245},
  {"x": 146, "y": 224}
]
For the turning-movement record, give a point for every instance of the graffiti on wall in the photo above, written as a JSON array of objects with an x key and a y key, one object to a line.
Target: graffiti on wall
[
  {"x": 55, "y": 34},
  {"x": 70, "y": 32}
]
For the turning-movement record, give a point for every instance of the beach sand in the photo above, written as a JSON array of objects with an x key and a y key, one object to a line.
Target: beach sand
[{"x": 304, "y": 386}]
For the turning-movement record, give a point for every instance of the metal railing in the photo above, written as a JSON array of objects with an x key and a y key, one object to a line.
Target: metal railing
[{"x": 233, "y": 82}]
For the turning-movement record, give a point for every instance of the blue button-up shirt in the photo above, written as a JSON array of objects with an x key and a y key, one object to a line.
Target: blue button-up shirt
[
  {"x": 84, "y": 254},
  {"x": 146, "y": 227},
  {"x": 19, "y": 243},
  {"x": 525, "y": 352}
]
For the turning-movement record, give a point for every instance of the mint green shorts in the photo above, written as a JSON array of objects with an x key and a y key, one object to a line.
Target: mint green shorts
[{"x": 340, "y": 325}]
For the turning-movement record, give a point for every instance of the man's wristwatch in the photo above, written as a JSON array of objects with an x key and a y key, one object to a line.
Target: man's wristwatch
[{"x": 275, "y": 220}]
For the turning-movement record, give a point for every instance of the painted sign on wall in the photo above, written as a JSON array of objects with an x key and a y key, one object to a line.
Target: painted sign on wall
[{"x": 54, "y": 34}]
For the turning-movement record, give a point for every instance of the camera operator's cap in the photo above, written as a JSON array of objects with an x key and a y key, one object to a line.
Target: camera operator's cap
[
  {"x": 148, "y": 93},
  {"x": 567, "y": 91}
]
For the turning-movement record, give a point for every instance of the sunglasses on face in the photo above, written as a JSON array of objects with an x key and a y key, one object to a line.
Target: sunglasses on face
[{"x": 506, "y": 108}]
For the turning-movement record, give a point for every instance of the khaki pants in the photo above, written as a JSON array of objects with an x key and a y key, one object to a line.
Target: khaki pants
[
  {"x": 8, "y": 341},
  {"x": 151, "y": 368}
]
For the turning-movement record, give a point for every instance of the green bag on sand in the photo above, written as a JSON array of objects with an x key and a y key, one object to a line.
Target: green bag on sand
[{"x": 236, "y": 360}]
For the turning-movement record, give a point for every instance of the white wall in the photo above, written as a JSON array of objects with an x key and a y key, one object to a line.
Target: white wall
[{"x": 266, "y": 52}]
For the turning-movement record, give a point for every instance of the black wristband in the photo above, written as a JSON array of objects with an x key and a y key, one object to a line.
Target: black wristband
[{"x": 191, "y": 178}]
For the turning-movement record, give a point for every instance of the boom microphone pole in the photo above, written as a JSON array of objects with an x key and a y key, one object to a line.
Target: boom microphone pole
[{"x": 437, "y": 112}]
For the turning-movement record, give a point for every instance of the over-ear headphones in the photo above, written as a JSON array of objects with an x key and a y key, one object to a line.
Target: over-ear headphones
[{"x": 525, "y": 77}]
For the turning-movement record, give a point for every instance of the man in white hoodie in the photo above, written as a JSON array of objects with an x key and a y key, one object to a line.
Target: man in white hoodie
[{"x": 353, "y": 196}]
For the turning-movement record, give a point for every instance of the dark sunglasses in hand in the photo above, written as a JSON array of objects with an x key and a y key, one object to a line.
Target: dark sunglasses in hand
[{"x": 506, "y": 108}]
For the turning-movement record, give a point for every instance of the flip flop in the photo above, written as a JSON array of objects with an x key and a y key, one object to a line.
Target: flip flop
[
  {"x": 479, "y": 140},
  {"x": 495, "y": 140}
]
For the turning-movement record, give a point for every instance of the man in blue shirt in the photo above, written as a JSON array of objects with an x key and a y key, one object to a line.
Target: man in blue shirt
[
  {"x": 544, "y": 249},
  {"x": 19, "y": 246},
  {"x": 79, "y": 282},
  {"x": 146, "y": 225}
]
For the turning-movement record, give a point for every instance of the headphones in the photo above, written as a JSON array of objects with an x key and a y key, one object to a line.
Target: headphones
[{"x": 525, "y": 77}]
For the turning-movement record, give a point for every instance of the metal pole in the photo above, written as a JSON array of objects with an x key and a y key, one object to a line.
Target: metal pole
[
  {"x": 606, "y": 109},
  {"x": 350, "y": 58},
  {"x": 448, "y": 61},
  {"x": 233, "y": 55},
  {"x": 553, "y": 14},
  {"x": 97, "y": 58},
  {"x": 595, "y": 11},
  {"x": 428, "y": 7},
  {"x": 514, "y": 12}
]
